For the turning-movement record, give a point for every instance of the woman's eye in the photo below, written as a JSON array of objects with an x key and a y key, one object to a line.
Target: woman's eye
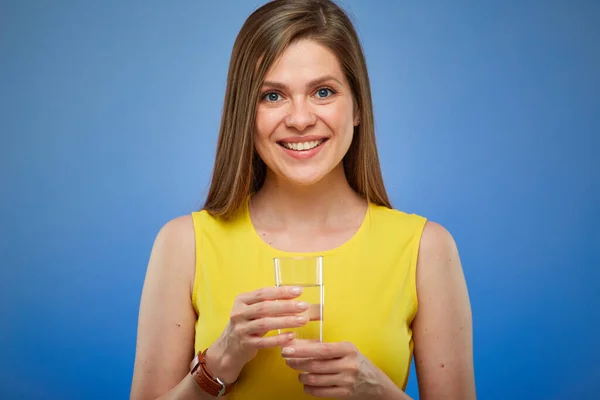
[
  {"x": 271, "y": 96},
  {"x": 324, "y": 93}
]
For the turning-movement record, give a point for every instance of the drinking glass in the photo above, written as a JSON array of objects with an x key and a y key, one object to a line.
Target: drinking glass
[{"x": 306, "y": 272}]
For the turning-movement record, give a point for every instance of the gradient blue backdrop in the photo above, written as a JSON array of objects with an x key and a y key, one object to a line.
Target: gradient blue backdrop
[{"x": 487, "y": 119}]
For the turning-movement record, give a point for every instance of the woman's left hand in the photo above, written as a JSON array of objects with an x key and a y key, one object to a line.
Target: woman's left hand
[{"x": 336, "y": 370}]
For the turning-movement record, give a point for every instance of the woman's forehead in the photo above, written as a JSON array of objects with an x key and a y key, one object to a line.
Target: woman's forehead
[{"x": 303, "y": 62}]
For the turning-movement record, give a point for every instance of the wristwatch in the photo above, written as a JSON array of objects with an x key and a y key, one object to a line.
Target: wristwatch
[{"x": 210, "y": 384}]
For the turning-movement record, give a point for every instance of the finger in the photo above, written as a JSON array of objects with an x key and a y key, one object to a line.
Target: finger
[
  {"x": 318, "y": 350},
  {"x": 269, "y": 308},
  {"x": 317, "y": 366},
  {"x": 323, "y": 380},
  {"x": 332, "y": 392},
  {"x": 270, "y": 293},
  {"x": 263, "y": 342},
  {"x": 270, "y": 323}
]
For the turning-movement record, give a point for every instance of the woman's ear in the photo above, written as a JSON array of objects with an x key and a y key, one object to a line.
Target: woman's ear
[{"x": 356, "y": 116}]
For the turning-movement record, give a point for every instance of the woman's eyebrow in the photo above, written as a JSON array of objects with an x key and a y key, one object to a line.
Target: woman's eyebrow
[{"x": 314, "y": 82}]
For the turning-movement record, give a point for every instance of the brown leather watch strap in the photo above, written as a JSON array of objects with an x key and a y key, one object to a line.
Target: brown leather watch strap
[{"x": 210, "y": 384}]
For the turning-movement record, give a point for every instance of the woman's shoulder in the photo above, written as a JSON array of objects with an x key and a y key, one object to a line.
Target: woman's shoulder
[
  {"x": 181, "y": 232},
  {"x": 176, "y": 244},
  {"x": 175, "y": 236},
  {"x": 205, "y": 222},
  {"x": 434, "y": 237},
  {"x": 437, "y": 243},
  {"x": 177, "y": 227},
  {"x": 172, "y": 258},
  {"x": 437, "y": 250},
  {"x": 397, "y": 219}
]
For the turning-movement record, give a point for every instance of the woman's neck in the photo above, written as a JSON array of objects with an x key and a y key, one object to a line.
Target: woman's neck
[{"x": 329, "y": 202}]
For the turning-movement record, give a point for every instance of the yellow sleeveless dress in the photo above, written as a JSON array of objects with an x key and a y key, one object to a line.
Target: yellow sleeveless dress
[{"x": 370, "y": 293}]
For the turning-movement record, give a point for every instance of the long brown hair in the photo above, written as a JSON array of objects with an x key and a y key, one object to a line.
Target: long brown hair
[{"x": 238, "y": 170}]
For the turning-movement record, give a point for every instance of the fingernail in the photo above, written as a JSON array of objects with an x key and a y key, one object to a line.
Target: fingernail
[
  {"x": 296, "y": 290},
  {"x": 288, "y": 350},
  {"x": 303, "y": 305},
  {"x": 300, "y": 319}
]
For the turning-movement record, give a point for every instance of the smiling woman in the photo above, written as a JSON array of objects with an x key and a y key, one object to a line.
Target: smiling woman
[
  {"x": 297, "y": 174},
  {"x": 306, "y": 112}
]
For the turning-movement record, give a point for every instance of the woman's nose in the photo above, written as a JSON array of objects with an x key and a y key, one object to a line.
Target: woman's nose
[{"x": 300, "y": 115}]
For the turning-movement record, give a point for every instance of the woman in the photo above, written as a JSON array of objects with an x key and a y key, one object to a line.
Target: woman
[{"x": 297, "y": 173}]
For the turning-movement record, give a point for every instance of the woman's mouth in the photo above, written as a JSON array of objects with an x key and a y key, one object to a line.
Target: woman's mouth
[{"x": 302, "y": 146}]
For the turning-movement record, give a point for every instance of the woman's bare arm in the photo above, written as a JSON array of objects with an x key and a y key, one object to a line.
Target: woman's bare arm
[
  {"x": 165, "y": 341},
  {"x": 443, "y": 326}
]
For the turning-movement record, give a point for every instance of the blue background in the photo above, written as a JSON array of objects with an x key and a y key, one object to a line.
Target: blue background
[{"x": 487, "y": 120}]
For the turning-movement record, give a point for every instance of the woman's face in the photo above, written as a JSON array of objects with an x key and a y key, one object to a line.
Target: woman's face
[{"x": 306, "y": 114}]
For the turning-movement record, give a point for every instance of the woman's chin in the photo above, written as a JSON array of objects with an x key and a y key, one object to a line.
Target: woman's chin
[
  {"x": 303, "y": 181},
  {"x": 307, "y": 175},
  {"x": 301, "y": 178}
]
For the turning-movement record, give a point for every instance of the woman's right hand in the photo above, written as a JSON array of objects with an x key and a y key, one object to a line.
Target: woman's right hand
[{"x": 254, "y": 314}]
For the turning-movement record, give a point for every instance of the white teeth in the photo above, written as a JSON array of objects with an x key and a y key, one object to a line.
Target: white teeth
[{"x": 302, "y": 146}]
